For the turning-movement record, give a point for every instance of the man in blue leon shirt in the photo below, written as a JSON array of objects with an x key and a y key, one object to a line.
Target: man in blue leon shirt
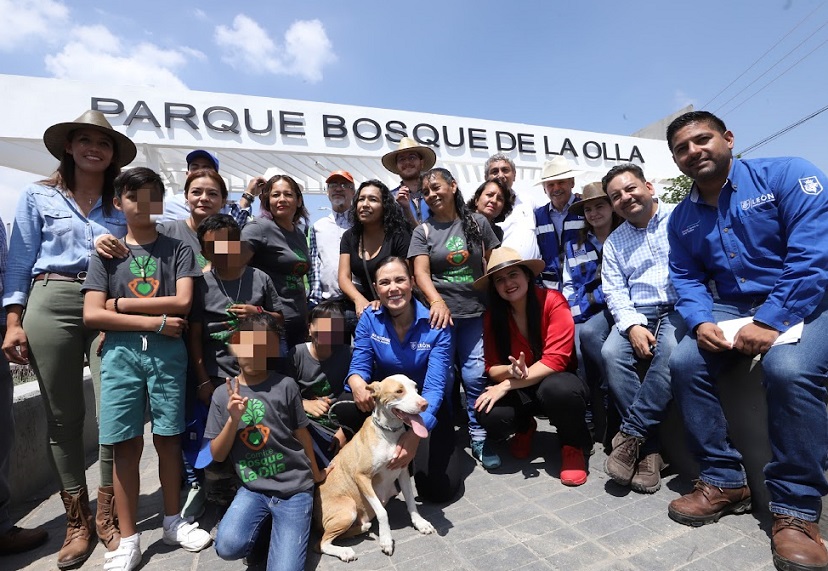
[
  {"x": 647, "y": 328},
  {"x": 756, "y": 229},
  {"x": 554, "y": 224}
]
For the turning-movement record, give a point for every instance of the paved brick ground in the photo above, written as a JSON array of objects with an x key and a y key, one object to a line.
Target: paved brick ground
[{"x": 520, "y": 517}]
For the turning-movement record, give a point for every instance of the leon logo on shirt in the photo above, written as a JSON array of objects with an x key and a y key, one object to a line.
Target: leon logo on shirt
[
  {"x": 144, "y": 285},
  {"x": 810, "y": 185}
]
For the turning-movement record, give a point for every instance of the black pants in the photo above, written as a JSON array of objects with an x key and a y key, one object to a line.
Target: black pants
[
  {"x": 562, "y": 397},
  {"x": 437, "y": 462}
]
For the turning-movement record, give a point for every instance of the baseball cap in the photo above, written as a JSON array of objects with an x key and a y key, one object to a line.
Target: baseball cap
[
  {"x": 340, "y": 174},
  {"x": 201, "y": 153}
]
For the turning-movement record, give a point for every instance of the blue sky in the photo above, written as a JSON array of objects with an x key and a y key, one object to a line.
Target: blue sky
[{"x": 596, "y": 66}]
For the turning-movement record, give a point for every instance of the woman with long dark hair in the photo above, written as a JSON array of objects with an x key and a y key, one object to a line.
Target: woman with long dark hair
[
  {"x": 280, "y": 249},
  {"x": 449, "y": 250},
  {"x": 379, "y": 230},
  {"x": 494, "y": 201},
  {"x": 529, "y": 345},
  {"x": 55, "y": 227}
]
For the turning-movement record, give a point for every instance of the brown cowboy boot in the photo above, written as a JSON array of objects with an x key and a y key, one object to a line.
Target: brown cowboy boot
[
  {"x": 80, "y": 531},
  {"x": 106, "y": 519}
]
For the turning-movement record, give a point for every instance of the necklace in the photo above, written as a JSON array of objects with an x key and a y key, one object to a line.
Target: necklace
[
  {"x": 224, "y": 290},
  {"x": 144, "y": 264}
]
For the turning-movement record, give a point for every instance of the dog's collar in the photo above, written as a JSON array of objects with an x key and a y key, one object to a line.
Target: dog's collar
[{"x": 386, "y": 428}]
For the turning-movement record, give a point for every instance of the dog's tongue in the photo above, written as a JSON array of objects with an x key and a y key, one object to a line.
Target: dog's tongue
[{"x": 416, "y": 423}]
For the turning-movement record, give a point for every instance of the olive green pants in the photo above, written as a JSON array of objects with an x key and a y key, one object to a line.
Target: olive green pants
[{"x": 58, "y": 342}]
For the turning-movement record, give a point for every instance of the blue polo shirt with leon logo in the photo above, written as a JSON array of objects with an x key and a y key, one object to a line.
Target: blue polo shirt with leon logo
[
  {"x": 767, "y": 238},
  {"x": 424, "y": 355}
]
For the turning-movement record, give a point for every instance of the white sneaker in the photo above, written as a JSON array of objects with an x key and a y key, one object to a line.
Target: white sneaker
[
  {"x": 126, "y": 558},
  {"x": 186, "y": 535}
]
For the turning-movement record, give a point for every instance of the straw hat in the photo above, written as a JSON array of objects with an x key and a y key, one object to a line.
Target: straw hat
[
  {"x": 56, "y": 136},
  {"x": 505, "y": 258},
  {"x": 557, "y": 169},
  {"x": 592, "y": 192},
  {"x": 407, "y": 144}
]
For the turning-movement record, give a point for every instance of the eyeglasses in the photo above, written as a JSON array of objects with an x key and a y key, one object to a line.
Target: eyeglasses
[{"x": 340, "y": 186}]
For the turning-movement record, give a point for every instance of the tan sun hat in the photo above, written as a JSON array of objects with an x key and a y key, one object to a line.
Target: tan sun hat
[
  {"x": 592, "y": 192},
  {"x": 557, "y": 169},
  {"x": 407, "y": 144},
  {"x": 505, "y": 258},
  {"x": 56, "y": 136}
]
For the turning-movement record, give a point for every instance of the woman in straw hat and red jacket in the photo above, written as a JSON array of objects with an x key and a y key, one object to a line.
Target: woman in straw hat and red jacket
[
  {"x": 55, "y": 227},
  {"x": 529, "y": 346}
]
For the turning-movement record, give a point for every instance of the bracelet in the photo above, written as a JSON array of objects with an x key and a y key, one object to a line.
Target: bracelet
[
  {"x": 207, "y": 382},
  {"x": 163, "y": 323},
  {"x": 259, "y": 309},
  {"x": 248, "y": 197},
  {"x": 436, "y": 301},
  {"x": 116, "y": 305}
]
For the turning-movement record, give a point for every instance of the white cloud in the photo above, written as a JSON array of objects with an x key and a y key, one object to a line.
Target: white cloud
[
  {"x": 200, "y": 14},
  {"x": 305, "y": 52},
  {"x": 681, "y": 100},
  {"x": 95, "y": 54},
  {"x": 25, "y": 20}
]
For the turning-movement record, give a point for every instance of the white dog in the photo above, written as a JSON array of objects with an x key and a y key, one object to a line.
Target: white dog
[{"x": 361, "y": 483}]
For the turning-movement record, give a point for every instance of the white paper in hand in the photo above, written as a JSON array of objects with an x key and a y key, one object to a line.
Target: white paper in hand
[{"x": 731, "y": 327}]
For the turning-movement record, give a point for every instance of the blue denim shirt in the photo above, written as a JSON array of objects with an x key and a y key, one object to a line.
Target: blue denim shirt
[
  {"x": 765, "y": 238},
  {"x": 50, "y": 234},
  {"x": 425, "y": 355}
]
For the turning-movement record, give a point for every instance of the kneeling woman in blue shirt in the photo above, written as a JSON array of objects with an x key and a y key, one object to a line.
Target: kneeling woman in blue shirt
[{"x": 398, "y": 338}]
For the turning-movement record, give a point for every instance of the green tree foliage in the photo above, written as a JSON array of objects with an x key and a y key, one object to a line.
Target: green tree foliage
[{"x": 679, "y": 188}]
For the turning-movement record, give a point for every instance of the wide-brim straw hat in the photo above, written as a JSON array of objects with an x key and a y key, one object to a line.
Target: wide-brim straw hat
[
  {"x": 407, "y": 144},
  {"x": 592, "y": 192},
  {"x": 56, "y": 137},
  {"x": 557, "y": 169},
  {"x": 506, "y": 258}
]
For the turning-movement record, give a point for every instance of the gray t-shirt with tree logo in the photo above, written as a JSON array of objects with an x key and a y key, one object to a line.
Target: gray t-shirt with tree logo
[
  {"x": 179, "y": 230},
  {"x": 150, "y": 270},
  {"x": 265, "y": 454},
  {"x": 211, "y": 300},
  {"x": 284, "y": 257},
  {"x": 455, "y": 264}
]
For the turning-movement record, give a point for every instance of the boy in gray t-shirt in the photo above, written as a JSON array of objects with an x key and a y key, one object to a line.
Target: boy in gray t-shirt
[
  {"x": 230, "y": 291},
  {"x": 140, "y": 302},
  {"x": 259, "y": 424}
]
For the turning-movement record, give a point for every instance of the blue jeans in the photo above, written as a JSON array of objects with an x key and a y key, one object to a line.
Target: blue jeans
[
  {"x": 643, "y": 403},
  {"x": 794, "y": 379},
  {"x": 590, "y": 338},
  {"x": 468, "y": 357},
  {"x": 244, "y": 519}
]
